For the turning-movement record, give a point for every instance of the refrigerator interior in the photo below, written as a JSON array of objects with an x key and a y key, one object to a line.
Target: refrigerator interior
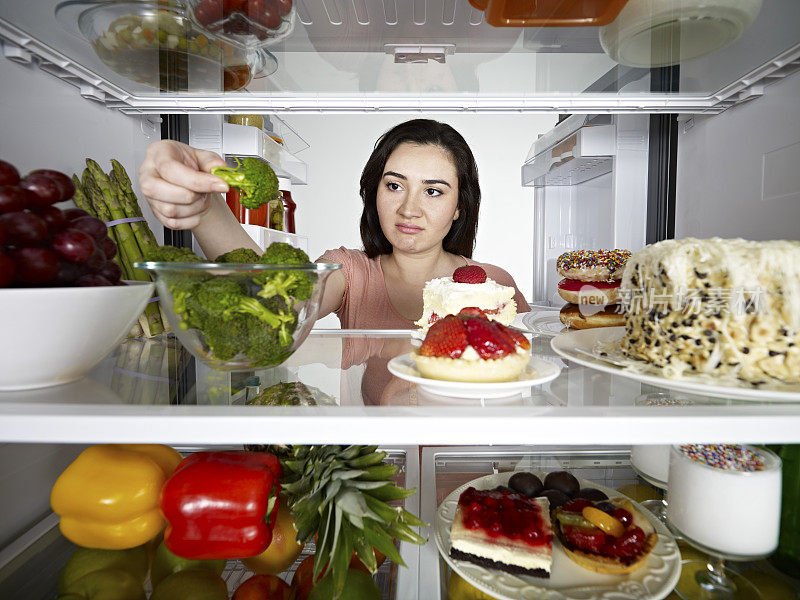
[{"x": 339, "y": 85}]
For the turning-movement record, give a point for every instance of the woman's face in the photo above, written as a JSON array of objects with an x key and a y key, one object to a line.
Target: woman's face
[{"x": 417, "y": 197}]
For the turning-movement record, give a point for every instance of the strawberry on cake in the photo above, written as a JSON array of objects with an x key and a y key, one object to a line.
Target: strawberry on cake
[
  {"x": 503, "y": 530},
  {"x": 468, "y": 287},
  {"x": 470, "y": 347}
]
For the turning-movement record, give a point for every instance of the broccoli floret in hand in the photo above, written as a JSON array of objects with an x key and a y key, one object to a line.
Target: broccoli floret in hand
[
  {"x": 240, "y": 255},
  {"x": 255, "y": 180}
]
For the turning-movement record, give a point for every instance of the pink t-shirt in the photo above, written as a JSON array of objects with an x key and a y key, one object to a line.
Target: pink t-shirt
[{"x": 366, "y": 303}]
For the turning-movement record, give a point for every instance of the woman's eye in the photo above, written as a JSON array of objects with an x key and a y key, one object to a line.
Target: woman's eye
[
  {"x": 433, "y": 192},
  {"x": 392, "y": 185}
]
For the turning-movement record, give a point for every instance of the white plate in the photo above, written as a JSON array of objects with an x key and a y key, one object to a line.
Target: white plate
[
  {"x": 568, "y": 581},
  {"x": 570, "y": 345},
  {"x": 536, "y": 372},
  {"x": 544, "y": 322}
]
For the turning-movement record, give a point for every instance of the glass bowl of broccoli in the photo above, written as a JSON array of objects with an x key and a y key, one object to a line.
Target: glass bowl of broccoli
[{"x": 243, "y": 310}]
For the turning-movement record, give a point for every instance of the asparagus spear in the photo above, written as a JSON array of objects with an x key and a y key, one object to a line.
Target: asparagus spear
[
  {"x": 130, "y": 205},
  {"x": 98, "y": 190},
  {"x": 80, "y": 199}
]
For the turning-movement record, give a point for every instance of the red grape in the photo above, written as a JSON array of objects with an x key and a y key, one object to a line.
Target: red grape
[
  {"x": 44, "y": 190},
  {"x": 69, "y": 272},
  {"x": 64, "y": 183},
  {"x": 91, "y": 226},
  {"x": 111, "y": 271},
  {"x": 96, "y": 260},
  {"x": 108, "y": 247},
  {"x": 8, "y": 174},
  {"x": 6, "y": 270},
  {"x": 92, "y": 280},
  {"x": 75, "y": 213},
  {"x": 264, "y": 12},
  {"x": 284, "y": 7},
  {"x": 3, "y": 236},
  {"x": 35, "y": 265},
  {"x": 24, "y": 228},
  {"x": 74, "y": 245},
  {"x": 229, "y": 6},
  {"x": 52, "y": 216},
  {"x": 12, "y": 198}
]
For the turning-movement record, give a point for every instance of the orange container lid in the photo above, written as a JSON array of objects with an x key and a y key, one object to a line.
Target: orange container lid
[{"x": 549, "y": 13}]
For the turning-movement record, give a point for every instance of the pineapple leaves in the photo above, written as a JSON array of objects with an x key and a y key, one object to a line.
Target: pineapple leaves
[
  {"x": 383, "y": 542},
  {"x": 362, "y": 549}
]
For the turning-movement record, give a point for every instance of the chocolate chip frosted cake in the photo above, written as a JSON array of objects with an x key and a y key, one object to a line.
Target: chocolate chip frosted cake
[{"x": 724, "y": 307}]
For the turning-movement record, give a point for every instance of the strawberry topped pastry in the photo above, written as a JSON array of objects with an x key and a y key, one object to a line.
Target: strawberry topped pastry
[
  {"x": 471, "y": 347},
  {"x": 468, "y": 287},
  {"x": 591, "y": 287},
  {"x": 503, "y": 530},
  {"x": 609, "y": 536}
]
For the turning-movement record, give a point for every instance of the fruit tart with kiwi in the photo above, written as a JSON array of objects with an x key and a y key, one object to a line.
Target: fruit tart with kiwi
[
  {"x": 470, "y": 347},
  {"x": 610, "y": 536}
]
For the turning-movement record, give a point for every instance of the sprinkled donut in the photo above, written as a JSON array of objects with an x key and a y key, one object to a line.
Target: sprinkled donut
[{"x": 593, "y": 265}]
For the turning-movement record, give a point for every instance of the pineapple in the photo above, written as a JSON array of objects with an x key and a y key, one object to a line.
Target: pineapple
[{"x": 341, "y": 493}]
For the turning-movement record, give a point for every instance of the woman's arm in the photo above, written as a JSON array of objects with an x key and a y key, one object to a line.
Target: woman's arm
[
  {"x": 176, "y": 182},
  {"x": 333, "y": 296}
]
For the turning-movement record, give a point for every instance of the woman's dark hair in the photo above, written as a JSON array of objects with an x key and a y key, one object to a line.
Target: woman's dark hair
[{"x": 461, "y": 237}]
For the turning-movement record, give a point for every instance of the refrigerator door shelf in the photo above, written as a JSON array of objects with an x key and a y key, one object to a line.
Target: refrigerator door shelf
[
  {"x": 586, "y": 154},
  {"x": 243, "y": 140}
]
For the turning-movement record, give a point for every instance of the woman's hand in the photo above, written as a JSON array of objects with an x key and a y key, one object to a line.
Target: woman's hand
[{"x": 176, "y": 181}]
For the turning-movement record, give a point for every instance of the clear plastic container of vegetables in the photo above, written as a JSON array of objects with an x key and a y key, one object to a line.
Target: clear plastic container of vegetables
[
  {"x": 235, "y": 316},
  {"x": 249, "y": 23},
  {"x": 155, "y": 43}
]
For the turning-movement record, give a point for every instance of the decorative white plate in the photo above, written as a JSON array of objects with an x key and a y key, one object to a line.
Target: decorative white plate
[
  {"x": 544, "y": 322},
  {"x": 581, "y": 346},
  {"x": 568, "y": 581},
  {"x": 537, "y": 371}
]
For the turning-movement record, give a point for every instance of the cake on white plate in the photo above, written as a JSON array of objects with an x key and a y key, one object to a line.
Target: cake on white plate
[
  {"x": 503, "y": 530},
  {"x": 469, "y": 287},
  {"x": 716, "y": 306}
]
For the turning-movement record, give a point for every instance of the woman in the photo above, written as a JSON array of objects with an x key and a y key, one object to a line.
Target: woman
[{"x": 421, "y": 199}]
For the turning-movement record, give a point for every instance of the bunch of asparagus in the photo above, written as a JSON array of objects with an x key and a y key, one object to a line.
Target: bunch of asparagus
[{"x": 110, "y": 197}]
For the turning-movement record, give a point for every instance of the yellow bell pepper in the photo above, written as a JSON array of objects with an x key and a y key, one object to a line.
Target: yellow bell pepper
[{"x": 108, "y": 497}]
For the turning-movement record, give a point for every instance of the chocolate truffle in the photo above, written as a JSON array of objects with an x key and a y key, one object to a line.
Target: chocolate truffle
[
  {"x": 563, "y": 482},
  {"x": 526, "y": 483}
]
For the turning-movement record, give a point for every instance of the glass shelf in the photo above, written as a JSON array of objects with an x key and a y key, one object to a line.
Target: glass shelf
[
  {"x": 340, "y": 57},
  {"x": 149, "y": 391}
]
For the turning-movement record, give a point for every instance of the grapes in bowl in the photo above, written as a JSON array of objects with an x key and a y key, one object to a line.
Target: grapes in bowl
[{"x": 62, "y": 301}]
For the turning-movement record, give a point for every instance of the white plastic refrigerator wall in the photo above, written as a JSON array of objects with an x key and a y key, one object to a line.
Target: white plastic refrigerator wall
[{"x": 738, "y": 171}]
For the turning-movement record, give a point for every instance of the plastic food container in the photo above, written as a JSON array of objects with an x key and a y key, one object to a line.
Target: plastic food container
[
  {"x": 548, "y": 13},
  {"x": 152, "y": 42},
  {"x": 249, "y": 24},
  {"x": 659, "y": 33}
]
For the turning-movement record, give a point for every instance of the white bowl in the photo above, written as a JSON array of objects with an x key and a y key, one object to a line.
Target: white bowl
[{"x": 50, "y": 336}]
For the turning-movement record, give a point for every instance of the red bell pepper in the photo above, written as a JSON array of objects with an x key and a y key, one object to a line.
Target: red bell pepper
[{"x": 221, "y": 504}]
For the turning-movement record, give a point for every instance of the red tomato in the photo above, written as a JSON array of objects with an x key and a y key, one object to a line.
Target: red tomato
[
  {"x": 208, "y": 11},
  {"x": 284, "y": 7},
  {"x": 263, "y": 587}
]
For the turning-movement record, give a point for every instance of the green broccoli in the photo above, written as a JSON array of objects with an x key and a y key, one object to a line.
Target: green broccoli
[
  {"x": 220, "y": 297},
  {"x": 240, "y": 255},
  {"x": 290, "y": 285},
  {"x": 281, "y": 253},
  {"x": 264, "y": 348},
  {"x": 170, "y": 254},
  {"x": 254, "y": 178}
]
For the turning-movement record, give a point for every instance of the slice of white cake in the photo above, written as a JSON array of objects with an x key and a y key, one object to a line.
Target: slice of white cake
[
  {"x": 443, "y": 296},
  {"x": 715, "y": 306}
]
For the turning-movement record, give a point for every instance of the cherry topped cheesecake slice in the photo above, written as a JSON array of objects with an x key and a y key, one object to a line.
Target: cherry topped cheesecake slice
[
  {"x": 470, "y": 347},
  {"x": 503, "y": 530}
]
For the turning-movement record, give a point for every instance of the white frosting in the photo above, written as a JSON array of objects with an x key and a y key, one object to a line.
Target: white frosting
[
  {"x": 443, "y": 296},
  {"x": 504, "y": 554},
  {"x": 697, "y": 293},
  {"x": 734, "y": 512}
]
